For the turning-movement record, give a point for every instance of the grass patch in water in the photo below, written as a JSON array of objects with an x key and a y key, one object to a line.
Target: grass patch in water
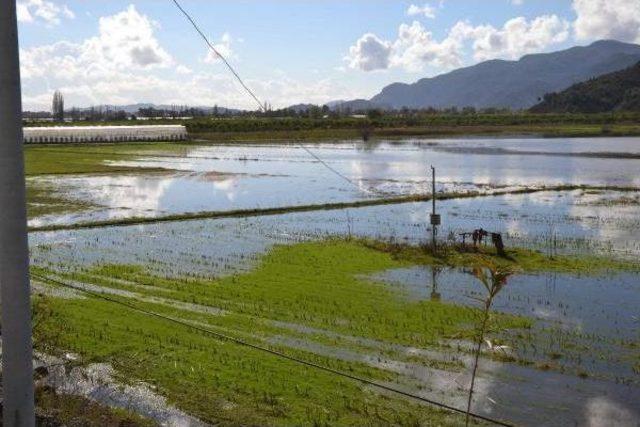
[
  {"x": 526, "y": 260},
  {"x": 321, "y": 284},
  {"x": 219, "y": 381},
  {"x": 313, "y": 284},
  {"x": 93, "y": 158},
  {"x": 43, "y": 199}
]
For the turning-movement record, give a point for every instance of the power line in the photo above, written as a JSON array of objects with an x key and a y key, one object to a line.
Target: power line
[
  {"x": 369, "y": 190},
  {"x": 253, "y": 95},
  {"x": 276, "y": 353},
  {"x": 212, "y": 47},
  {"x": 341, "y": 175}
]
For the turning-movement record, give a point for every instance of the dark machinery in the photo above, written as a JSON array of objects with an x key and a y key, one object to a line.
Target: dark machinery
[{"x": 480, "y": 234}]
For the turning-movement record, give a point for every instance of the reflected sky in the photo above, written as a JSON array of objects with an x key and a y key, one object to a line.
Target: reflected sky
[
  {"x": 224, "y": 177},
  {"x": 525, "y": 220},
  {"x": 571, "y": 306},
  {"x": 227, "y": 177}
]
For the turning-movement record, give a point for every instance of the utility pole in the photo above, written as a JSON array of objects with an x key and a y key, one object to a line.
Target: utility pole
[
  {"x": 17, "y": 352},
  {"x": 435, "y": 218}
]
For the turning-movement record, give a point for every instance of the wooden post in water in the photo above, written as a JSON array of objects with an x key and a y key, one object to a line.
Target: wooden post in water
[{"x": 435, "y": 218}]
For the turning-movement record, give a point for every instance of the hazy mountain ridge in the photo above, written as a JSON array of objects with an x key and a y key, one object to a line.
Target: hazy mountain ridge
[
  {"x": 495, "y": 83},
  {"x": 511, "y": 84},
  {"x": 615, "y": 91}
]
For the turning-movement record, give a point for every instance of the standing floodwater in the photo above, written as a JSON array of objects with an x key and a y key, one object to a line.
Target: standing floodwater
[{"x": 228, "y": 177}]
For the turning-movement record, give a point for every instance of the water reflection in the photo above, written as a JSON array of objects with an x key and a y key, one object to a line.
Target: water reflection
[
  {"x": 281, "y": 175},
  {"x": 583, "y": 325},
  {"x": 435, "y": 295}
]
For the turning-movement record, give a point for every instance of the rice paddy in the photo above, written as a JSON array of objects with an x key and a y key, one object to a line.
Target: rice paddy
[{"x": 353, "y": 289}]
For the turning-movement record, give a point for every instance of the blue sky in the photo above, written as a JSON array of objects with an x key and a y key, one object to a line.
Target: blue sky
[{"x": 288, "y": 51}]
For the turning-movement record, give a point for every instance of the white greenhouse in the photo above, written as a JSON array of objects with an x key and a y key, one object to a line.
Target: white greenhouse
[{"x": 58, "y": 134}]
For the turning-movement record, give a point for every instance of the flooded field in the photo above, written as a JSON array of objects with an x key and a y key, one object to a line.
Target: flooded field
[
  {"x": 226, "y": 177},
  {"x": 561, "y": 221},
  {"x": 565, "y": 346}
]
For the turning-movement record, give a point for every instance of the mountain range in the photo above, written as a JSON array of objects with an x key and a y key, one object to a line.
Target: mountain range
[
  {"x": 496, "y": 83},
  {"x": 619, "y": 90},
  {"x": 506, "y": 84}
]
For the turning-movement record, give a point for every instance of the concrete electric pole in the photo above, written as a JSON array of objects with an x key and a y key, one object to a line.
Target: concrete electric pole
[{"x": 17, "y": 352}]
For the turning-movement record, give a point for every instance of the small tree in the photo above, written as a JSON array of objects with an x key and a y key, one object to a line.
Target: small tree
[
  {"x": 494, "y": 278},
  {"x": 57, "y": 107}
]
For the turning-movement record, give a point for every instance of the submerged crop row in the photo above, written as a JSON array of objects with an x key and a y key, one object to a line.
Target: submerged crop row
[
  {"x": 312, "y": 300},
  {"x": 307, "y": 287}
]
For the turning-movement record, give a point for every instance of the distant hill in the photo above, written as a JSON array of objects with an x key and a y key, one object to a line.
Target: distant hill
[
  {"x": 511, "y": 84},
  {"x": 619, "y": 90},
  {"x": 301, "y": 108},
  {"x": 354, "y": 105},
  {"x": 133, "y": 108}
]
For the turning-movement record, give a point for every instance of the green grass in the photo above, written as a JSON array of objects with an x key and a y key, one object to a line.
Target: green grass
[
  {"x": 319, "y": 284},
  {"x": 321, "y": 289},
  {"x": 405, "y": 124},
  {"x": 93, "y": 158},
  {"x": 524, "y": 260},
  {"x": 544, "y": 130},
  {"x": 292, "y": 135},
  {"x": 221, "y": 382},
  {"x": 408, "y": 120},
  {"x": 316, "y": 284}
]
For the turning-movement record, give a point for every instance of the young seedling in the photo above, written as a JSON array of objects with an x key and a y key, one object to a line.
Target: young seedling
[{"x": 494, "y": 278}]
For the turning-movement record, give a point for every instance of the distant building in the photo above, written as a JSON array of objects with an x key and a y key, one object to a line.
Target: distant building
[{"x": 61, "y": 134}]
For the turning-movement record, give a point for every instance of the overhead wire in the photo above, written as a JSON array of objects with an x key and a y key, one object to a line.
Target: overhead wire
[
  {"x": 261, "y": 106},
  {"x": 217, "y": 52},
  {"x": 237, "y": 340},
  {"x": 341, "y": 175},
  {"x": 275, "y": 353}
]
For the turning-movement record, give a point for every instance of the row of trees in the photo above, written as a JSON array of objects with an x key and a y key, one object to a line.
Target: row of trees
[
  {"x": 326, "y": 116},
  {"x": 57, "y": 107},
  {"x": 107, "y": 113}
]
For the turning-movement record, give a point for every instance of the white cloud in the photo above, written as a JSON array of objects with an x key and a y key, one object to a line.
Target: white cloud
[
  {"x": 224, "y": 47},
  {"x": 369, "y": 53},
  {"x": 23, "y": 13},
  {"x": 426, "y": 11},
  {"x": 198, "y": 88},
  {"x": 517, "y": 2},
  {"x": 124, "y": 63},
  {"x": 516, "y": 38},
  {"x": 125, "y": 41},
  {"x": 183, "y": 69},
  {"x": 100, "y": 68},
  {"x": 416, "y": 47},
  {"x": 607, "y": 19},
  {"x": 50, "y": 13}
]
